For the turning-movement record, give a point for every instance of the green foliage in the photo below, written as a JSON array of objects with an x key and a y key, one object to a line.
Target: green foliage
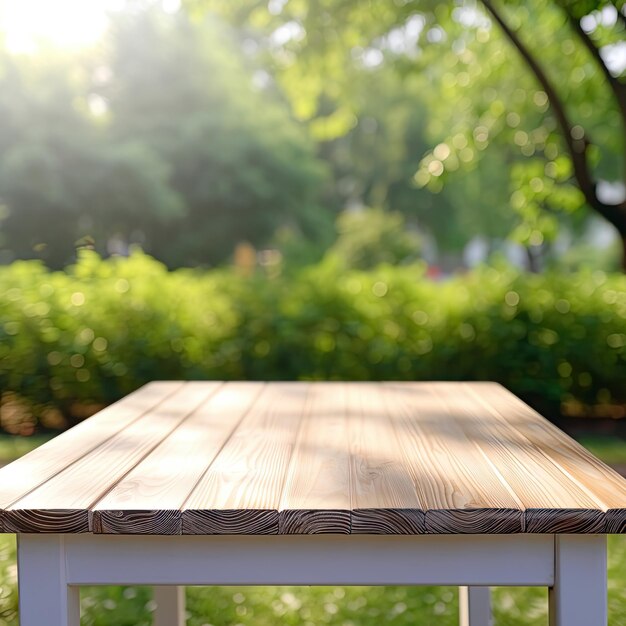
[
  {"x": 375, "y": 162},
  {"x": 504, "y": 111},
  {"x": 61, "y": 178},
  {"x": 175, "y": 133},
  {"x": 485, "y": 113},
  {"x": 93, "y": 334},
  {"x": 160, "y": 136},
  {"x": 610, "y": 449},
  {"x": 369, "y": 237},
  {"x": 242, "y": 167},
  {"x": 14, "y": 446}
]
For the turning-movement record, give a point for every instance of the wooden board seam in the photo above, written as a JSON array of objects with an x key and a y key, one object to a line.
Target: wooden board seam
[
  {"x": 262, "y": 387},
  {"x": 494, "y": 411},
  {"x": 496, "y": 471},
  {"x": 312, "y": 516},
  {"x": 90, "y": 450},
  {"x": 148, "y": 452}
]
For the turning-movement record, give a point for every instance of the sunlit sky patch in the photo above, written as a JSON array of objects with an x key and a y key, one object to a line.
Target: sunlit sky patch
[{"x": 25, "y": 24}]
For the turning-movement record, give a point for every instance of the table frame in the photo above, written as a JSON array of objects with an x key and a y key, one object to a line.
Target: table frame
[{"x": 52, "y": 567}]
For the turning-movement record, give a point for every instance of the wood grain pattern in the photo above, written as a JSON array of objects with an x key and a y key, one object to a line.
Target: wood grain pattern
[
  {"x": 306, "y": 458},
  {"x": 240, "y": 493},
  {"x": 461, "y": 491},
  {"x": 316, "y": 495},
  {"x": 62, "y": 504},
  {"x": 384, "y": 497},
  {"x": 34, "y": 469},
  {"x": 600, "y": 482},
  {"x": 553, "y": 503},
  {"x": 148, "y": 500}
]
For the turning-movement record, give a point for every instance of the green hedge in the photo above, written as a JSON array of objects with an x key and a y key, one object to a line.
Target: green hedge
[{"x": 92, "y": 334}]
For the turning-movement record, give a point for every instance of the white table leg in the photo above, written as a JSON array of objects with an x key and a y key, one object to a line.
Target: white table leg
[
  {"x": 475, "y": 606},
  {"x": 170, "y": 610},
  {"x": 44, "y": 595},
  {"x": 579, "y": 595}
]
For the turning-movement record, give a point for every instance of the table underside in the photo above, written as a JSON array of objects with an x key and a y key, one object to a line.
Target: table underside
[{"x": 251, "y": 458}]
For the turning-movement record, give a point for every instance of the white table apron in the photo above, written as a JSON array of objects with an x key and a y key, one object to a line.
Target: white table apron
[{"x": 52, "y": 567}]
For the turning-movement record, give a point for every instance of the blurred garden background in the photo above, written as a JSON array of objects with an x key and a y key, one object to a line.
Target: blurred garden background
[{"x": 313, "y": 189}]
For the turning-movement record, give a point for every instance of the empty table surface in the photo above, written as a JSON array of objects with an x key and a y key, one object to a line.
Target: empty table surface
[{"x": 297, "y": 458}]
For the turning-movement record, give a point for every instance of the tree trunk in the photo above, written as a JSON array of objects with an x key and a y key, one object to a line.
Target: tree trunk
[
  {"x": 615, "y": 215},
  {"x": 577, "y": 146},
  {"x": 533, "y": 254}
]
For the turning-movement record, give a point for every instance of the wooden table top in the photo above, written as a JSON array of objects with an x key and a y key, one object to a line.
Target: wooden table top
[{"x": 299, "y": 458}]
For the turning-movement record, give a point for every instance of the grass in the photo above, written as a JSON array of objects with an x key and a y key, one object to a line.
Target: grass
[
  {"x": 12, "y": 447},
  {"x": 312, "y": 606},
  {"x": 611, "y": 450}
]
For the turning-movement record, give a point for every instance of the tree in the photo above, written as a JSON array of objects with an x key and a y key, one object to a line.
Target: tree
[
  {"x": 374, "y": 164},
  {"x": 241, "y": 165},
  {"x": 63, "y": 182},
  {"x": 570, "y": 101},
  {"x": 163, "y": 135},
  {"x": 578, "y": 141},
  {"x": 370, "y": 237}
]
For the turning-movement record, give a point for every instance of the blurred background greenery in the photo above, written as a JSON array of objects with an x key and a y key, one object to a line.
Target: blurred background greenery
[
  {"x": 299, "y": 190},
  {"x": 308, "y": 189},
  {"x": 77, "y": 339}
]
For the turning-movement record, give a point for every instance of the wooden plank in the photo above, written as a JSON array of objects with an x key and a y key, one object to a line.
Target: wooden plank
[
  {"x": 240, "y": 493},
  {"x": 28, "y": 472},
  {"x": 553, "y": 502},
  {"x": 62, "y": 503},
  {"x": 296, "y": 458},
  {"x": 149, "y": 498},
  {"x": 598, "y": 480},
  {"x": 316, "y": 496},
  {"x": 384, "y": 497},
  {"x": 461, "y": 491}
]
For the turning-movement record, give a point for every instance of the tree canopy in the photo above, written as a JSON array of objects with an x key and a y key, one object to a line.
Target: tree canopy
[
  {"x": 540, "y": 84},
  {"x": 160, "y": 137},
  {"x": 257, "y": 121}
]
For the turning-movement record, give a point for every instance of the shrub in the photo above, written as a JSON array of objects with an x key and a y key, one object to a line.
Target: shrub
[
  {"x": 72, "y": 341},
  {"x": 369, "y": 237}
]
